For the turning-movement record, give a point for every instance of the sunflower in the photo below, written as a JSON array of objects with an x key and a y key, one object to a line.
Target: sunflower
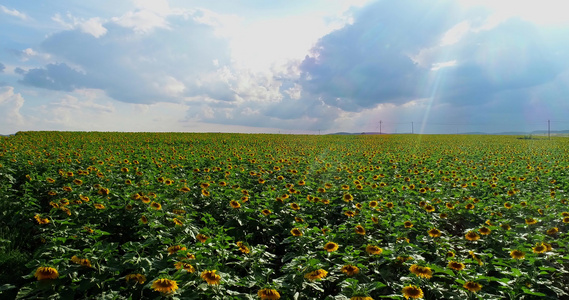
[
  {"x": 347, "y": 197},
  {"x": 373, "y": 204},
  {"x": 350, "y": 213},
  {"x": 434, "y": 233},
  {"x": 103, "y": 191},
  {"x": 389, "y": 205},
  {"x": 210, "y": 277},
  {"x": 314, "y": 275},
  {"x": 350, "y": 270},
  {"x": 179, "y": 211},
  {"x": 268, "y": 294},
  {"x": 296, "y": 232},
  {"x": 443, "y": 215},
  {"x": 185, "y": 266},
  {"x": 156, "y": 205},
  {"x": 242, "y": 247},
  {"x": 408, "y": 224},
  {"x": 552, "y": 231},
  {"x": 565, "y": 219},
  {"x": 421, "y": 271},
  {"x": 43, "y": 273},
  {"x": 429, "y": 208},
  {"x": 202, "y": 237},
  {"x": 175, "y": 249},
  {"x": 539, "y": 248},
  {"x": 412, "y": 291},
  {"x": 164, "y": 285},
  {"x": 294, "y": 206},
  {"x": 360, "y": 230},
  {"x": 455, "y": 265},
  {"x": 469, "y": 206},
  {"x": 266, "y": 212},
  {"x": 449, "y": 205},
  {"x": 41, "y": 220},
  {"x": 81, "y": 261},
  {"x": 450, "y": 254},
  {"x": 531, "y": 221},
  {"x": 331, "y": 247},
  {"x": 505, "y": 226},
  {"x": 402, "y": 259},
  {"x": 143, "y": 219},
  {"x": 234, "y": 204},
  {"x": 99, "y": 206},
  {"x": 373, "y": 250},
  {"x": 177, "y": 222},
  {"x": 517, "y": 254},
  {"x": 472, "y": 236},
  {"x": 508, "y": 205},
  {"x": 361, "y": 298},
  {"x": 472, "y": 286},
  {"x": 136, "y": 277},
  {"x": 484, "y": 230}
]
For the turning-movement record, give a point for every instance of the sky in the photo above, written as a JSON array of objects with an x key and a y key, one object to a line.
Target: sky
[{"x": 284, "y": 66}]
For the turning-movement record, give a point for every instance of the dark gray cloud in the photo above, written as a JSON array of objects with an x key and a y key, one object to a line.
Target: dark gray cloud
[
  {"x": 368, "y": 62},
  {"x": 162, "y": 65},
  {"x": 20, "y": 71},
  {"x": 2, "y": 67},
  {"x": 374, "y": 60},
  {"x": 55, "y": 77}
]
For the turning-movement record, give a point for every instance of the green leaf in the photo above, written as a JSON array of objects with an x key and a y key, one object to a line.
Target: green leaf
[
  {"x": 6, "y": 287},
  {"x": 530, "y": 292}
]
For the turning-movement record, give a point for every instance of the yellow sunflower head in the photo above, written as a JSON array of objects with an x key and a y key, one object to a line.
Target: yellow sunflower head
[
  {"x": 412, "y": 291},
  {"x": 211, "y": 277},
  {"x": 43, "y": 273},
  {"x": 331, "y": 247},
  {"x": 164, "y": 285},
  {"x": 268, "y": 294}
]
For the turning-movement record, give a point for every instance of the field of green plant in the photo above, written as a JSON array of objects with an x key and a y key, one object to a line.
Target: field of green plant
[{"x": 237, "y": 216}]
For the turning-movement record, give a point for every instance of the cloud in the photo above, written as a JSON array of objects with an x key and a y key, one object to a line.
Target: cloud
[
  {"x": 92, "y": 26},
  {"x": 14, "y": 13},
  {"x": 55, "y": 77},
  {"x": 395, "y": 52},
  {"x": 30, "y": 54},
  {"x": 164, "y": 65},
  {"x": 10, "y": 104},
  {"x": 368, "y": 62},
  {"x": 2, "y": 67}
]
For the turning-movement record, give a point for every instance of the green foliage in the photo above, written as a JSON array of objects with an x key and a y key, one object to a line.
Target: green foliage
[{"x": 113, "y": 213}]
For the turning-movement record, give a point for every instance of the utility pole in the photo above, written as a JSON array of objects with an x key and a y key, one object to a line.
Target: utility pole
[
  {"x": 412, "y": 129},
  {"x": 548, "y": 130},
  {"x": 380, "y": 121}
]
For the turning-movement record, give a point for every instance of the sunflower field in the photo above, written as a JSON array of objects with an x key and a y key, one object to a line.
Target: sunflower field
[{"x": 92, "y": 215}]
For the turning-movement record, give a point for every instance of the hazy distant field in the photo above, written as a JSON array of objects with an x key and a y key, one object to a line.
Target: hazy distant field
[{"x": 146, "y": 215}]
